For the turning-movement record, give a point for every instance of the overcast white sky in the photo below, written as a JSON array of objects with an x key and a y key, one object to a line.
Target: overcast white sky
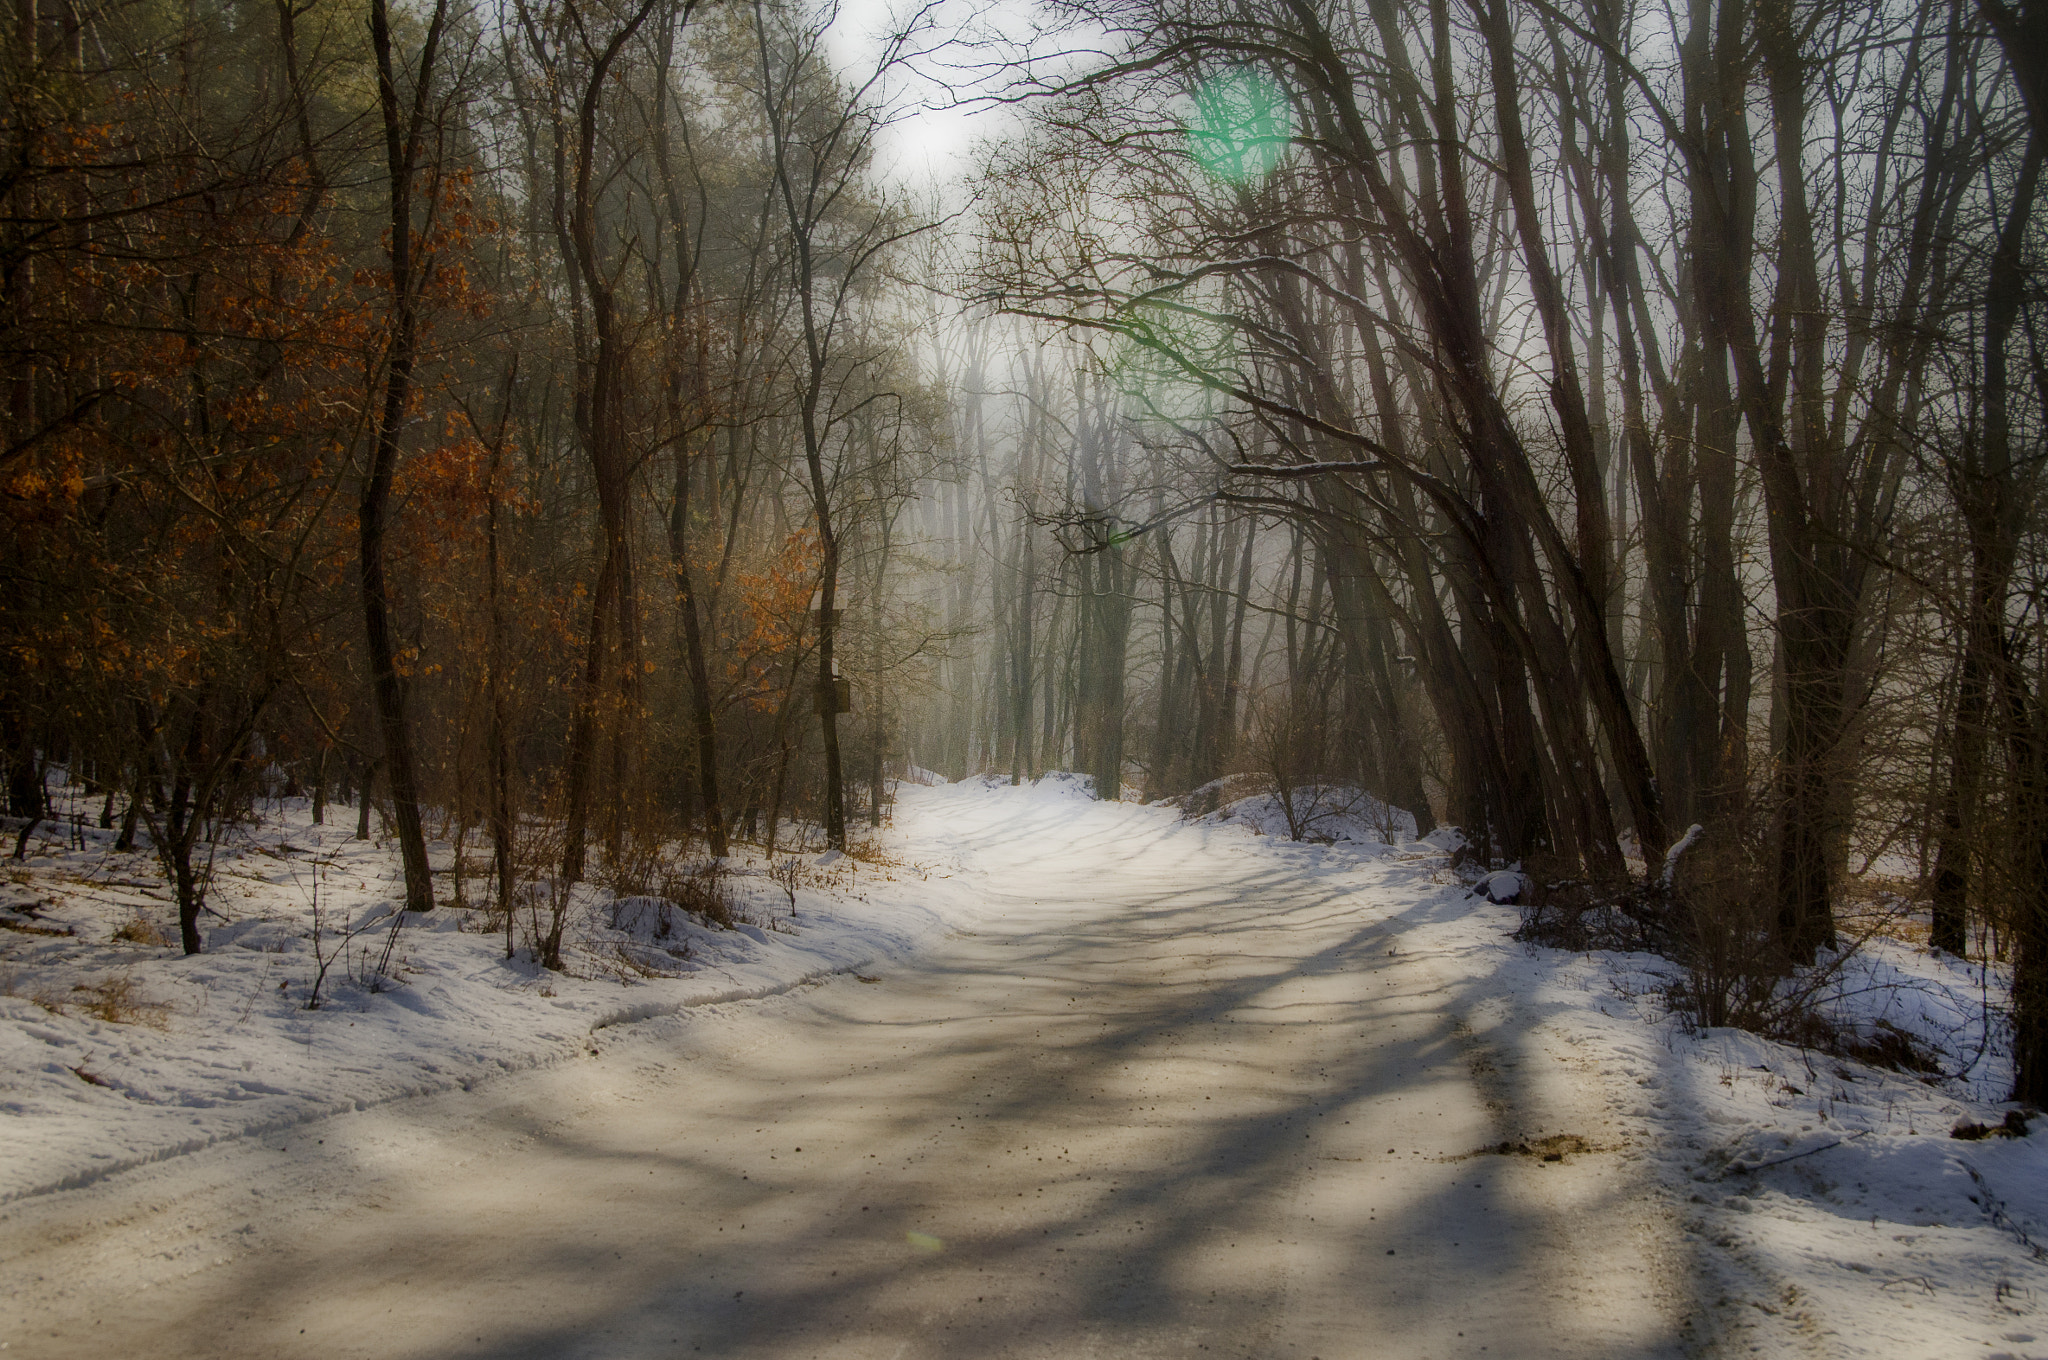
[{"x": 930, "y": 147}]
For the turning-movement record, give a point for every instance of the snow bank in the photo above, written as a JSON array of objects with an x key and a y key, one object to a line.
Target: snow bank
[
  {"x": 1828, "y": 1208},
  {"x": 1328, "y": 814},
  {"x": 116, "y": 1050}
]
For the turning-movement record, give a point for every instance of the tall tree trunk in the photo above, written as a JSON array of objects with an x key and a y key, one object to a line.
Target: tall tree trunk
[
  {"x": 688, "y": 403},
  {"x": 499, "y": 686},
  {"x": 402, "y": 145},
  {"x": 601, "y": 418},
  {"x": 695, "y": 664}
]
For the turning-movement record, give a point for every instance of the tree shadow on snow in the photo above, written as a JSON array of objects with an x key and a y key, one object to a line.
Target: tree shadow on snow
[{"x": 962, "y": 1222}]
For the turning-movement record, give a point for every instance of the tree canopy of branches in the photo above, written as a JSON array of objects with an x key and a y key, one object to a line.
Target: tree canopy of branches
[
  {"x": 1644, "y": 387},
  {"x": 358, "y": 357}
]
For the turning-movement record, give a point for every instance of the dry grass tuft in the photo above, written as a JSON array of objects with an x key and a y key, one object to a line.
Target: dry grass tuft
[
  {"x": 143, "y": 931},
  {"x": 50, "y": 1001},
  {"x": 868, "y": 850},
  {"x": 119, "y": 1001}
]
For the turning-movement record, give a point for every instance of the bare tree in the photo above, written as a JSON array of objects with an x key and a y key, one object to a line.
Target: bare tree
[
  {"x": 821, "y": 139},
  {"x": 406, "y": 146}
]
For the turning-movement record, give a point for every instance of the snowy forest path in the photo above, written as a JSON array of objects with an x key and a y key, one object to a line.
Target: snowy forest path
[{"x": 1176, "y": 1093}]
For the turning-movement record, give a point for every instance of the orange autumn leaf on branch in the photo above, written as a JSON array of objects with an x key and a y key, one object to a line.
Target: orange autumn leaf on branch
[{"x": 772, "y": 617}]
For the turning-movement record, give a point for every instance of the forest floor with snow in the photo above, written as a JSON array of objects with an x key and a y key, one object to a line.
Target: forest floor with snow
[
  {"x": 1549, "y": 1155},
  {"x": 116, "y": 1050}
]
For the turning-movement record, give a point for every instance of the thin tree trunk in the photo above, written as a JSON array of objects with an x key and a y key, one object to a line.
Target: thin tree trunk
[{"x": 402, "y": 142}]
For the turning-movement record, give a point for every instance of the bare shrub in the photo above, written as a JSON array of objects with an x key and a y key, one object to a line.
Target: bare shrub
[
  {"x": 1219, "y": 793},
  {"x": 553, "y": 895},
  {"x": 1720, "y": 915},
  {"x": 700, "y": 888},
  {"x": 788, "y": 875},
  {"x": 1292, "y": 745},
  {"x": 1887, "y": 1046},
  {"x": 642, "y": 864},
  {"x": 1574, "y": 914},
  {"x": 330, "y": 940},
  {"x": 486, "y": 919},
  {"x": 1737, "y": 975},
  {"x": 538, "y": 844},
  {"x": 645, "y": 936},
  {"x": 1715, "y": 917},
  {"x": 644, "y": 914}
]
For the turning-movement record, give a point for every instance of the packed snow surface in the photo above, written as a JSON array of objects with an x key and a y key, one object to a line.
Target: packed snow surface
[{"x": 1041, "y": 1076}]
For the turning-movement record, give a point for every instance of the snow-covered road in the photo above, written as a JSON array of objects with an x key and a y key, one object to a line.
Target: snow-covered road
[{"x": 1174, "y": 1093}]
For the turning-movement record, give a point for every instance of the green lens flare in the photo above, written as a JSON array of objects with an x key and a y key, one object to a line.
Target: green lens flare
[
  {"x": 1153, "y": 371},
  {"x": 1243, "y": 126}
]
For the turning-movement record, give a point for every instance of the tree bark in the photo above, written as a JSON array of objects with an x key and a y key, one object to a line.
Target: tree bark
[{"x": 402, "y": 143}]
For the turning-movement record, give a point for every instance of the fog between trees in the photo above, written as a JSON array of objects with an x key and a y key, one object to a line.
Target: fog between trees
[{"x": 546, "y": 425}]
